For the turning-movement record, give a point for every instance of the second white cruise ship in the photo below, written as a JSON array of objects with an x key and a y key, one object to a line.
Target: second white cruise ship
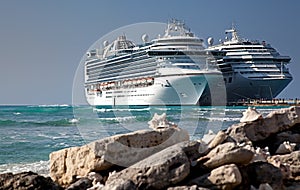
[
  {"x": 251, "y": 69},
  {"x": 168, "y": 70}
]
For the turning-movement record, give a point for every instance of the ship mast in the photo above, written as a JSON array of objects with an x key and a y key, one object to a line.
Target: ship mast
[{"x": 234, "y": 34}]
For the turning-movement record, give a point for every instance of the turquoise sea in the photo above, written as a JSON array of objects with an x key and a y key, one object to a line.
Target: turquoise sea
[{"x": 29, "y": 133}]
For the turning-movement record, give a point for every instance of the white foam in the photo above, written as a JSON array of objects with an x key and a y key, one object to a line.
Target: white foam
[
  {"x": 118, "y": 118},
  {"x": 102, "y": 110},
  {"x": 41, "y": 167},
  {"x": 73, "y": 120}
]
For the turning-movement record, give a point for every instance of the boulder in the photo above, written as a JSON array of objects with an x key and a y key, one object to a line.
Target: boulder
[
  {"x": 218, "y": 139},
  {"x": 250, "y": 115},
  {"x": 165, "y": 168},
  {"x": 285, "y": 148},
  {"x": 292, "y": 161},
  {"x": 123, "y": 150},
  {"x": 160, "y": 122},
  {"x": 120, "y": 184},
  {"x": 81, "y": 184},
  {"x": 223, "y": 177},
  {"x": 227, "y": 153},
  {"x": 237, "y": 133},
  {"x": 258, "y": 173},
  {"x": 26, "y": 181},
  {"x": 260, "y": 129}
]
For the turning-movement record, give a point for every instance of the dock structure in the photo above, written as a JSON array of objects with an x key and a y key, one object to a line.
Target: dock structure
[{"x": 263, "y": 102}]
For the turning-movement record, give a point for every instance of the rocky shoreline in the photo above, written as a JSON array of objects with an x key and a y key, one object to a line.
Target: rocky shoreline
[{"x": 257, "y": 153}]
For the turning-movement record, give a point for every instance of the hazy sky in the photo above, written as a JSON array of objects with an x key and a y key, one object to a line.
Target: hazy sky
[{"x": 42, "y": 42}]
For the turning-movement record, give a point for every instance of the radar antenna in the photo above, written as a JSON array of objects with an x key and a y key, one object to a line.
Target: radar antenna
[{"x": 234, "y": 33}]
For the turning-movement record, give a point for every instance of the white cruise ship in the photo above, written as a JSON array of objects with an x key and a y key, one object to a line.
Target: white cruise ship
[
  {"x": 168, "y": 70},
  {"x": 251, "y": 69}
]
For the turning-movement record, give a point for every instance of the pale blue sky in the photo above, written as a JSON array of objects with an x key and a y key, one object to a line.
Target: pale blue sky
[{"x": 42, "y": 42}]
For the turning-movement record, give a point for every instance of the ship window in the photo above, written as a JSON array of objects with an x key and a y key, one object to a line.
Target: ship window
[
  {"x": 230, "y": 80},
  {"x": 225, "y": 80}
]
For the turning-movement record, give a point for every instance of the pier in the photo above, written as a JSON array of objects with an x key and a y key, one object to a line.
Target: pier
[{"x": 263, "y": 102}]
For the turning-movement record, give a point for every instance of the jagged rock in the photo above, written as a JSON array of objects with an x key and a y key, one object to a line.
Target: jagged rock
[
  {"x": 123, "y": 150},
  {"x": 160, "y": 122},
  {"x": 260, "y": 155},
  {"x": 120, "y": 184},
  {"x": 264, "y": 186},
  {"x": 238, "y": 133},
  {"x": 26, "y": 181},
  {"x": 223, "y": 177},
  {"x": 285, "y": 148},
  {"x": 218, "y": 139},
  {"x": 95, "y": 178},
  {"x": 227, "y": 153},
  {"x": 167, "y": 167},
  {"x": 81, "y": 184},
  {"x": 289, "y": 136},
  {"x": 292, "y": 161},
  {"x": 258, "y": 173},
  {"x": 276, "y": 121},
  {"x": 251, "y": 114}
]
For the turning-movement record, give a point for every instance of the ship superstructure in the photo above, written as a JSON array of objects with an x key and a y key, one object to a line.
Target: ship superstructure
[{"x": 168, "y": 70}]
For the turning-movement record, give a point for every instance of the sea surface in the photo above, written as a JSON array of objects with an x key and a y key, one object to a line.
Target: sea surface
[{"x": 28, "y": 134}]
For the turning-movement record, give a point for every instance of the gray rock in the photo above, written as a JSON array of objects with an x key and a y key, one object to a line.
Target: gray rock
[
  {"x": 81, "y": 184},
  {"x": 258, "y": 173},
  {"x": 120, "y": 184},
  {"x": 123, "y": 150},
  {"x": 26, "y": 181},
  {"x": 223, "y": 177},
  {"x": 285, "y": 148},
  {"x": 165, "y": 168}
]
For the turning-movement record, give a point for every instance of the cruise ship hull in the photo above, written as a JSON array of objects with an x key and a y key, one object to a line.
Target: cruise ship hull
[
  {"x": 168, "y": 90},
  {"x": 243, "y": 88}
]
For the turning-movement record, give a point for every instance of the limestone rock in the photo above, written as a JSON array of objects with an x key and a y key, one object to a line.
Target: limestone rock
[
  {"x": 223, "y": 177},
  {"x": 251, "y": 114},
  {"x": 160, "y": 122},
  {"x": 26, "y": 181},
  {"x": 237, "y": 132},
  {"x": 167, "y": 167},
  {"x": 123, "y": 150},
  {"x": 292, "y": 161},
  {"x": 276, "y": 121},
  {"x": 218, "y": 139},
  {"x": 227, "y": 153}
]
